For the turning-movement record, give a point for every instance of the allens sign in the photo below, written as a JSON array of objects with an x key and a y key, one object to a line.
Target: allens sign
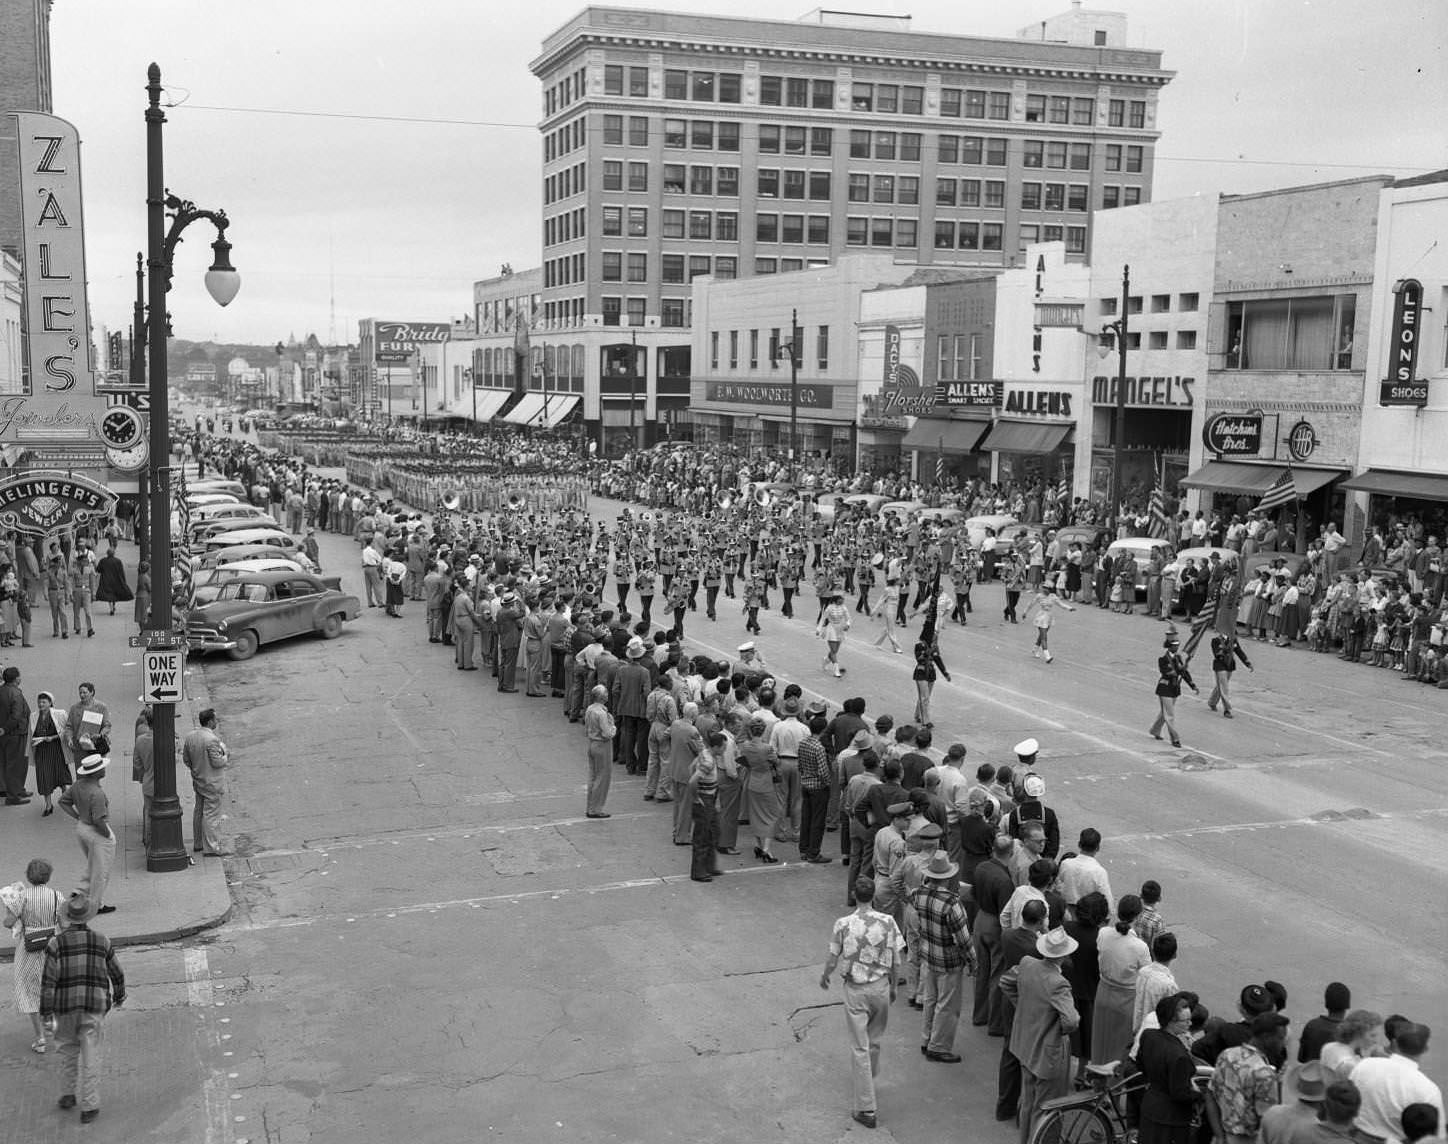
[
  {"x": 1400, "y": 387},
  {"x": 1233, "y": 434}
]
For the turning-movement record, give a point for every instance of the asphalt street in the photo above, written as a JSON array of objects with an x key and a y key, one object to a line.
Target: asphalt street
[{"x": 431, "y": 942}]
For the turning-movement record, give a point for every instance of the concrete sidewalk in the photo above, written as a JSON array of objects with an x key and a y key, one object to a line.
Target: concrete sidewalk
[{"x": 149, "y": 907}]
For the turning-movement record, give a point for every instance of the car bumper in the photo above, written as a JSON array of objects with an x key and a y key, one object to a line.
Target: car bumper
[{"x": 196, "y": 641}]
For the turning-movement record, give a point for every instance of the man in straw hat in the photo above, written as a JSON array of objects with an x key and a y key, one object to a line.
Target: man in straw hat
[
  {"x": 86, "y": 802},
  {"x": 945, "y": 952},
  {"x": 80, "y": 983},
  {"x": 1045, "y": 1018}
]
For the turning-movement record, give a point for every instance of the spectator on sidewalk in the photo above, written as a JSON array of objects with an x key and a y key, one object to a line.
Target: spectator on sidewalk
[
  {"x": 30, "y": 904},
  {"x": 143, "y": 771},
  {"x": 206, "y": 757},
  {"x": 87, "y": 718},
  {"x": 49, "y": 749},
  {"x": 86, "y": 802},
  {"x": 81, "y": 982},
  {"x": 112, "y": 588},
  {"x": 14, "y": 722}
]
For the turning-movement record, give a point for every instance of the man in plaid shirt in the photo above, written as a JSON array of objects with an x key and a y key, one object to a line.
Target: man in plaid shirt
[
  {"x": 816, "y": 777},
  {"x": 80, "y": 982},
  {"x": 946, "y": 952}
]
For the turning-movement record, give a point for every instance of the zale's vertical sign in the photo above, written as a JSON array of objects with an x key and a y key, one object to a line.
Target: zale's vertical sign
[{"x": 59, "y": 405}]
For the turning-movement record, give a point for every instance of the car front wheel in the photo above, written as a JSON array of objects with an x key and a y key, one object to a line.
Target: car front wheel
[
  {"x": 246, "y": 645},
  {"x": 332, "y": 627}
]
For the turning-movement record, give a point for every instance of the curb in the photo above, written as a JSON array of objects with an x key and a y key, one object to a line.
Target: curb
[{"x": 156, "y": 937}]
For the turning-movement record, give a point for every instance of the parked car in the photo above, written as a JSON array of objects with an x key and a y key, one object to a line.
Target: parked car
[
  {"x": 204, "y": 530},
  {"x": 206, "y": 585},
  {"x": 901, "y": 508},
  {"x": 200, "y": 500},
  {"x": 239, "y": 552},
  {"x": 1200, "y": 555},
  {"x": 265, "y": 607},
  {"x": 975, "y": 526},
  {"x": 1085, "y": 535},
  {"x": 945, "y": 517},
  {"x": 1139, "y": 548},
  {"x": 216, "y": 485},
  {"x": 285, "y": 544},
  {"x": 870, "y": 502},
  {"x": 826, "y": 506},
  {"x": 1291, "y": 560}
]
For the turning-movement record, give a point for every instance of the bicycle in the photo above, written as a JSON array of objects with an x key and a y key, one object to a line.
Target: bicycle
[{"x": 1097, "y": 1114}]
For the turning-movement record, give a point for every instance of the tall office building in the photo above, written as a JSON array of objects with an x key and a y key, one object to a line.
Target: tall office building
[
  {"x": 678, "y": 145},
  {"x": 24, "y": 86}
]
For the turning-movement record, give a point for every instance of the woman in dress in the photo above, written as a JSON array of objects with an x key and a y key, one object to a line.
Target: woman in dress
[
  {"x": 832, "y": 628},
  {"x": 1359, "y": 1035},
  {"x": 143, "y": 593},
  {"x": 1170, "y": 1099},
  {"x": 112, "y": 588},
  {"x": 1073, "y": 571},
  {"x": 1171, "y": 672},
  {"x": 927, "y": 664},
  {"x": 763, "y": 804},
  {"x": 1120, "y": 956},
  {"x": 30, "y": 904},
  {"x": 49, "y": 749}
]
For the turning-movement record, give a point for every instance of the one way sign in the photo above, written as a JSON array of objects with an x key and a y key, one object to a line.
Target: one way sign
[{"x": 162, "y": 675}]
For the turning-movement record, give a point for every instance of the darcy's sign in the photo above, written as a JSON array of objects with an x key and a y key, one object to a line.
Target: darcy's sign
[
  {"x": 40, "y": 503},
  {"x": 901, "y": 389},
  {"x": 61, "y": 404}
]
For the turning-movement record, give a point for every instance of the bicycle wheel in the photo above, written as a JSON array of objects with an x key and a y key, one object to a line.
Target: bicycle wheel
[{"x": 1081, "y": 1125}]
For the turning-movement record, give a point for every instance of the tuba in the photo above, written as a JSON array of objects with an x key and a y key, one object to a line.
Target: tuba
[
  {"x": 762, "y": 497},
  {"x": 451, "y": 500},
  {"x": 646, "y": 517},
  {"x": 514, "y": 503},
  {"x": 724, "y": 499}
]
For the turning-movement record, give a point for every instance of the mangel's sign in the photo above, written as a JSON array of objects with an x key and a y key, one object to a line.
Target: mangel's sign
[
  {"x": 1149, "y": 392},
  {"x": 1400, "y": 387},
  {"x": 1233, "y": 434}
]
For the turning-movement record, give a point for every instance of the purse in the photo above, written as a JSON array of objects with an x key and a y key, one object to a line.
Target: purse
[{"x": 38, "y": 938}]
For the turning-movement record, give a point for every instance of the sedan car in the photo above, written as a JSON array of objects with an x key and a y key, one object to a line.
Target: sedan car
[
  {"x": 976, "y": 526},
  {"x": 207, "y": 584},
  {"x": 1202, "y": 555},
  {"x": 264, "y": 607},
  {"x": 238, "y": 552},
  {"x": 869, "y": 502},
  {"x": 284, "y": 543},
  {"x": 1139, "y": 549}
]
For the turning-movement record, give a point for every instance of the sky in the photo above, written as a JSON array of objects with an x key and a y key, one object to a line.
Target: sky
[{"x": 377, "y": 158}]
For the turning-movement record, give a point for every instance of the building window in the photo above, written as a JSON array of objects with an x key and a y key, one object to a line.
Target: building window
[
  {"x": 766, "y": 266},
  {"x": 1113, "y": 156},
  {"x": 1116, "y": 113},
  {"x": 613, "y": 79},
  {"x": 726, "y": 226},
  {"x": 1035, "y": 109},
  {"x": 701, "y": 135},
  {"x": 1030, "y": 232},
  {"x": 1060, "y": 109},
  {"x": 791, "y": 228},
  {"x": 701, "y": 180},
  {"x": 1133, "y": 341},
  {"x": 992, "y": 236},
  {"x": 638, "y": 83},
  {"x": 1291, "y": 333},
  {"x": 862, "y": 97},
  {"x": 700, "y": 224},
  {"x": 882, "y": 232},
  {"x": 671, "y": 312},
  {"x": 673, "y": 178},
  {"x": 1083, "y": 112},
  {"x": 1055, "y": 199},
  {"x": 794, "y": 184},
  {"x": 1161, "y": 303},
  {"x": 910, "y": 147},
  {"x": 612, "y": 221},
  {"x": 945, "y": 193},
  {"x": 821, "y": 140},
  {"x": 906, "y": 231},
  {"x": 1156, "y": 340},
  {"x": 671, "y": 269},
  {"x": 796, "y": 92},
  {"x": 819, "y": 186},
  {"x": 884, "y": 144},
  {"x": 950, "y": 102},
  {"x": 638, "y": 131},
  {"x": 945, "y": 236},
  {"x": 859, "y": 144},
  {"x": 1108, "y": 307},
  {"x": 822, "y": 94},
  {"x": 714, "y": 349},
  {"x": 1075, "y": 240},
  {"x": 999, "y": 105},
  {"x": 968, "y": 236},
  {"x": 857, "y": 231},
  {"x": 702, "y": 84},
  {"x": 1033, "y": 153},
  {"x": 728, "y": 137},
  {"x": 612, "y": 266},
  {"x": 958, "y": 344},
  {"x": 884, "y": 189},
  {"x": 912, "y": 100},
  {"x": 859, "y": 188},
  {"x": 638, "y": 222},
  {"x": 771, "y": 90},
  {"x": 612, "y": 175},
  {"x": 610, "y": 308},
  {"x": 676, "y": 84},
  {"x": 766, "y": 228},
  {"x": 1130, "y": 196},
  {"x": 794, "y": 140},
  {"x": 769, "y": 138},
  {"x": 995, "y": 193},
  {"x": 819, "y": 230},
  {"x": 753, "y": 349},
  {"x": 1030, "y": 196},
  {"x": 676, "y": 132},
  {"x": 730, "y": 87},
  {"x": 1110, "y": 198},
  {"x": 822, "y": 348},
  {"x": 1080, "y": 157},
  {"x": 975, "y": 105},
  {"x": 733, "y": 349},
  {"x": 1056, "y": 154},
  {"x": 1133, "y": 160},
  {"x": 1187, "y": 303},
  {"x": 1077, "y": 197},
  {"x": 1133, "y": 304},
  {"x": 1186, "y": 339},
  {"x": 726, "y": 266},
  {"x": 970, "y": 192},
  {"x": 949, "y": 149},
  {"x": 1137, "y": 117},
  {"x": 638, "y": 267},
  {"x": 768, "y": 183},
  {"x": 887, "y": 98},
  {"x": 636, "y": 311},
  {"x": 942, "y": 358},
  {"x": 673, "y": 225},
  {"x": 638, "y": 176}
]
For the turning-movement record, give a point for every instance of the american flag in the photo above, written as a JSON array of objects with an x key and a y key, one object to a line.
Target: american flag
[
  {"x": 1157, "y": 512},
  {"x": 1283, "y": 492},
  {"x": 1201, "y": 622}
]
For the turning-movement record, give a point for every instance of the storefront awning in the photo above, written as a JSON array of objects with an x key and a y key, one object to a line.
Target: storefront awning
[
  {"x": 1310, "y": 480},
  {"x": 946, "y": 436},
  {"x": 1414, "y": 486},
  {"x": 1026, "y": 436},
  {"x": 556, "y": 408},
  {"x": 527, "y": 411},
  {"x": 1231, "y": 477},
  {"x": 490, "y": 401}
]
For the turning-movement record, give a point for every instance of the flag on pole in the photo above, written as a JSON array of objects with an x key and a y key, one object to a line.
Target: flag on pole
[
  {"x": 1157, "y": 512},
  {"x": 929, "y": 633},
  {"x": 940, "y": 464},
  {"x": 1203, "y": 620},
  {"x": 1282, "y": 493}
]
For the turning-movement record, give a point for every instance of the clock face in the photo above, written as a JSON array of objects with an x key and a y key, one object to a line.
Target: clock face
[
  {"x": 121, "y": 427},
  {"x": 130, "y": 458}
]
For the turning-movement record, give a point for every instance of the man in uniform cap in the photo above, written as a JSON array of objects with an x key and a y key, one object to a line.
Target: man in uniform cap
[{"x": 1026, "y": 751}]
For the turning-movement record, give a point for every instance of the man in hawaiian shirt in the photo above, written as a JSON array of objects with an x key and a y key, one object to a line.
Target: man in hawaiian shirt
[
  {"x": 1244, "y": 1085},
  {"x": 866, "y": 946}
]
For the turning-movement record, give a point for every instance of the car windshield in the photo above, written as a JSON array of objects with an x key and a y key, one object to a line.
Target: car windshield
[{"x": 236, "y": 590}]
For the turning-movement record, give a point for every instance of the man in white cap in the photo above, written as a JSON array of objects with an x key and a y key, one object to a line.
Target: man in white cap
[
  {"x": 750, "y": 661},
  {"x": 86, "y": 802},
  {"x": 1026, "y": 751},
  {"x": 1045, "y": 1018}
]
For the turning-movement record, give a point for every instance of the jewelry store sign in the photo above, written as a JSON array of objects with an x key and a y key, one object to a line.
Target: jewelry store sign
[
  {"x": 61, "y": 406},
  {"x": 42, "y": 503}
]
